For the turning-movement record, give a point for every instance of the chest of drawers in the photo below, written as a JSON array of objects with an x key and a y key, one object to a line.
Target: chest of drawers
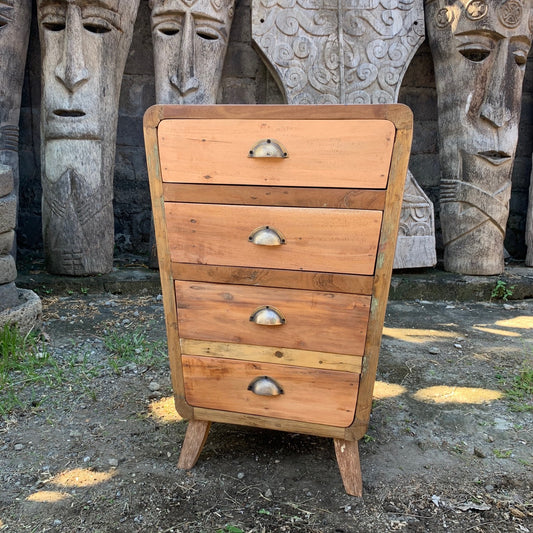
[{"x": 276, "y": 229}]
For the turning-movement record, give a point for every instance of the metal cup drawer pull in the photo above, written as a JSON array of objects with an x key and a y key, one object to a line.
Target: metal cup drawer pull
[
  {"x": 267, "y": 236},
  {"x": 267, "y": 316},
  {"x": 268, "y": 148},
  {"x": 265, "y": 386}
]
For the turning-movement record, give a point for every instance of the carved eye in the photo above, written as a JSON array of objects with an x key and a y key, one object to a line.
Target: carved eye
[
  {"x": 168, "y": 28},
  {"x": 207, "y": 34},
  {"x": 96, "y": 27},
  {"x": 520, "y": 57},
  {"x": 477, "y": 55},
  {"x": 54, "y": 26}
]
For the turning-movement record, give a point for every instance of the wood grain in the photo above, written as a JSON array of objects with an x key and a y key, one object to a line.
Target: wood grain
[
  {"x": 318, "y": 396},
  {"x": 316, "y": 321},
  {"x": 195, "y": 437},
  {"x": 273, "y": 355},
  {"x": 346, "y": 153},
  {"x": 290, "y": 279},
  {"x": 275, "y": 196},
  {"x": 347, "y": 453},
  {"x": 324, "y": 240}
]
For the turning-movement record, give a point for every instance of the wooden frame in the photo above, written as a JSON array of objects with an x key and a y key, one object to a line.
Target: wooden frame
[{"x": 376, "y": 286}]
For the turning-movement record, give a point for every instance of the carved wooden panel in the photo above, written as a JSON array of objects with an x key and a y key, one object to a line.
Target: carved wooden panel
[{"x": 349, "y": 52}]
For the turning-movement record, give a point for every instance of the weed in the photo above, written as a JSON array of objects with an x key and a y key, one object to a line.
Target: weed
[
  {"x": 520, "y": 394},
  {"x": 21, "y": 358},
  {"x": 368, "y": 438},
  {"x": 502, "y": 454},
  {"x": 127, "y": 347},
  {"x": 501, "y": 291},
  {"x": 230, "y": 529},
  {"x": 84, "y": 290}
]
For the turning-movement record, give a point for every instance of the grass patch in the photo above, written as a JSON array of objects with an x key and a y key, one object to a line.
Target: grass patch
[
  {"x": 128, "y": 347},
  {"x": 22, "y": 358},
  {"x": 520, "y": 394}
]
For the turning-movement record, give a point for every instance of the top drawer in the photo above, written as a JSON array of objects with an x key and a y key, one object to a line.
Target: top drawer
[{"x": 320, "y": 153}]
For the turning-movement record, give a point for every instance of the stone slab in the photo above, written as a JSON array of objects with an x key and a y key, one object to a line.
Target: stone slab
[
  {"x": 8, "y": 270},
  {"x": 8, "y": 296},
  {"x": 6, "y": 242},
  {"x": 6, "y": 180},
  {"x": 8, "y": 212},
  {"x": 26, "y": 314}
]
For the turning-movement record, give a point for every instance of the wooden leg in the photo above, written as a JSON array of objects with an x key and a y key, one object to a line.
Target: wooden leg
[
  {"x": 195, "y": 438},
  {"x": 347, "y": 453}
]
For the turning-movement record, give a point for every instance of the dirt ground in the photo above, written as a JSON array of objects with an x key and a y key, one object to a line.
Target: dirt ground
[{"x": 95, "y": 448}]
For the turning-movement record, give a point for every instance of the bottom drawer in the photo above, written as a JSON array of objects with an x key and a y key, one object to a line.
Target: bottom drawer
[{"x": 307, "y": 395}]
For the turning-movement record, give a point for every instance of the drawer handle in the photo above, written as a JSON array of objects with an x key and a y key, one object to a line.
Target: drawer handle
[
  {"x": 267, "y": 316},
  {"x": 268, "y": 148},
  {"x": 266, "y": 236},
  {"x": 265, "y": 386}
]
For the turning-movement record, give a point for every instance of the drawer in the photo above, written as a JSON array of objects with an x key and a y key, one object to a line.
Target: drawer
[
  {"x": 317, "y": 321},
  {"x": 308, "y": 395},
  {"x": 320, "y": 240},
  {"x": 321, "y": 153}
]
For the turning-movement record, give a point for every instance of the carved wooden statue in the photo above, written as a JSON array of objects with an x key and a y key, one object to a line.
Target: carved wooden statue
[
  {"x": 84, "y": 46},
  {"x": 353, "y": 52},
  {"x": 190, "y": 39},
  {"x": 17, "y": 306},
  {"x": 480, "y": 50},
  {"x": 15, "y": 18},
  {"x": 529, "y": 226}
]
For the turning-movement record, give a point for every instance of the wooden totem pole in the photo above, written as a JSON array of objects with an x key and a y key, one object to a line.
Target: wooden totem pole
[
  {"x": 480, "y": 50},
  {"x": 16, "y": 306},
  {"x": 84, "y": 46},
  {"x": 350, "y": 52},
  {"x": 190, "y": 39},
  {"x": 529, "y": 226}
]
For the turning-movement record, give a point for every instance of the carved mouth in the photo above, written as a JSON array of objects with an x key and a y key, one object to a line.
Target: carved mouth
[
  {"x": 69, "y": 113},
  {"x": 495, "y": 157}
]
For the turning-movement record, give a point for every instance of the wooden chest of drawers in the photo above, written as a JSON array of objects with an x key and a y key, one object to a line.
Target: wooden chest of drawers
[{"x": 276, "y": 229}]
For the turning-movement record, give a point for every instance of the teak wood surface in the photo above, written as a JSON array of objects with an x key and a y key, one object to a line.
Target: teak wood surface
[
  {"x": 323, "y": 240},
  {"x": 264, "y": 189},
  {"x": 218, "y": 153},
  {"x": 309, "y": 395},
  {"x": 319, "y": 321}
]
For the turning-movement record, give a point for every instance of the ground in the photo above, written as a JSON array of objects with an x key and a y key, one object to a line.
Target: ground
[{"x": 89, "y": 442}]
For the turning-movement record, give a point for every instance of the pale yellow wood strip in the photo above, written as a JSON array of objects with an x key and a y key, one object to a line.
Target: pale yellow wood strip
[{"x": 269, "y": 354}]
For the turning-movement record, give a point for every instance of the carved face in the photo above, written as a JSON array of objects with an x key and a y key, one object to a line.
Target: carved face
[
  {"x": 14, "y": 31},
  {"x": 190, "y": 40},
  {"x": 480, "y": 50},
  {"x": 84, "y": 47}
]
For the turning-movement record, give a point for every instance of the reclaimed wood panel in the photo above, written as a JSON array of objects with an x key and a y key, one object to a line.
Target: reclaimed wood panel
[
  {"x": 270, "y": 354},
  {"x": 316, "y": 321},
  {"x": 318, "y": 396},
  {"x": 275, "y": 196},
  {"x": 348, "y": 153},
  {"x": 324, "y": 240},
  {"x": 289, "y": 279}
]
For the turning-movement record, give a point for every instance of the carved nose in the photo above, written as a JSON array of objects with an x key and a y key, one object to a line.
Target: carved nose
[
  {"x": 71, "y": 70},
  {"x": 496, "y": 113},
  {"x": 185, "y": 79}
]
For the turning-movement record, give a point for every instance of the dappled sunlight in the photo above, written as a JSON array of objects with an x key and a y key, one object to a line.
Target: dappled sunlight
[
  {"x": 448, "y": 394},
  {"x": 418, "y": 336},
  {"x": 518, "y": 322},
  {"x": 383, "y": 390},
  {"x": 48, "y": 496},
  {"x": 164, "y": 410},
  {"x": 81, "y": 477},
  {"x": 493, "y": 331}
]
